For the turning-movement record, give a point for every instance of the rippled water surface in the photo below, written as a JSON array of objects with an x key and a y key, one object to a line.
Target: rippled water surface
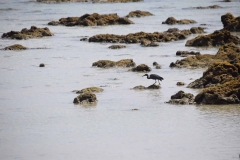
[{"x": 39, "y": 121}]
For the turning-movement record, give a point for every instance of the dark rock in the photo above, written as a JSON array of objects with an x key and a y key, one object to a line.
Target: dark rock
[
  {"x": 33, "y": 32},
  {"x": 139, "y": 13},
  {"x": 15, "y": 47},
  {"x": 84, "y": 39},
  {"x": 230, "y": 22},
  {"x": 42, "y": 65},
  {"x": 186, "y": 53},
  {"x": 94, "y": 19},
  {"x": 155, "y": 64},
  {"x": 116, "y": 46},
  {"x": 85, "y": 98},
  {"x": 141, "y": 68},
  {"x": 108, "y": 63},
  {"x": 153, "y": 86},
  {"x": 217, "y": 38},
  {"x": 208, "y": 7},
  {"x": 180, "y": 83},
  {"x": 182, "y": 98},
  {"x": 172, "y": 20}
]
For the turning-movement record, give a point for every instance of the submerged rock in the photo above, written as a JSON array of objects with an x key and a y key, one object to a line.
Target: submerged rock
[
  {"x": 182, "y": 98},
  {"x": 94, "y": 19},
  {"x": 85, "y": 98},
  {"x": 207, "y": 7},
  {"x": 153, "y": 86},
  {"x": 186, "y": 53},
  {"x": 229, "y": 53},
  {"x": 139, "y": 13},
  {"x": 15, "y": 47},
  {"x": 148, "y": 37},
  {"x": 217, "y": 38},
  {"x": 116, "y": 46},
  {"x": 89, "y": 89},
  {"x": 141, "y": 68},
  {"x": 108, "y": 63},
  {"x": 172, "y": 20},
  {"x": 25, "y": 33},
  {"x": 230, "y": 22}
]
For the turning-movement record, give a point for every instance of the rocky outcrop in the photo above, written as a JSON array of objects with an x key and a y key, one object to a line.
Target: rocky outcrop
[
  {"x": 216, "y": 74},
  {"x": 226, "y": 93},
  {"x": 148, "y": 43},
  {"x": 25, "y": 33},
  {"x": 228, "y": 53},
  {"x": 15, "y": 47},
  {"x": 172, "y": 20},
  {"x": 186, "y": 53},
  {"x": 180, "y": 84},
  {"x": 139, "y": 13},
  {"x": 182, "y": 98},
  {"x": 116, "y": 46},
  {"x": 85, "y": 98},
  {"x": 89, "y": 89},
  {"x": 108, "y": 63},
  {"x": 92, "y": 1},
  {"x": 141, "y": 68},
  {"x": 153, "y": 86},
  {"x": 41, "y": 65},
  {"x": 217, "y": 38},
  {"x": 152, "y": 37},
  {"x": 94, "y": 19},
  {"x": 230, "y": 22}
]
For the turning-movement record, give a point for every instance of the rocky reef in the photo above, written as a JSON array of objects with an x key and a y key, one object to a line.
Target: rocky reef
[
  {"x": 141, "y": 68},
  {"x": 172, "y": 20},
  {"x": 170, "y": 35},
  {"x": 94, "y": 19},
  {"x": 109, "y": 64},
  {"x": 207, "y": 7},
  {"x": 182, "y": 98},
  {"x": 139, "y": 13},
  {"x": 216, "y": 38},
  {"x": 25, "y": 33},
  {"x": 226, "y": 53},
  {"x": 230, "y": 22}
]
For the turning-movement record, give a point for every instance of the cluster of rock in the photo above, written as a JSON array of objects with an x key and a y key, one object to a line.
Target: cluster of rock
[
  {"x": 172, "y": 20},
  {"x": 170, "y": 35},
  {"x": 226, "y": 53},
  {"x": 141, "y": 68},
  {"x": 216, "y": 38},
  {"x": 86, "y": 96},
  {"x": 109, "y": 63},
  {"x": 116, "y": 46},
  {"x": 230, "y": 22},
  {"x": 157, "y": 66},
  {"x": 94, "y": 19},
  {"x": 139, "y": 13},
  {"x": 182, "y": 98},
  {"x": 25, "y": 33},
  {"x": 92, "y": 1}
]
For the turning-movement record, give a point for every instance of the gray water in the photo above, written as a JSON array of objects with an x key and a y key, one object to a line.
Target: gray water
[{"x": 39, "y": 121}]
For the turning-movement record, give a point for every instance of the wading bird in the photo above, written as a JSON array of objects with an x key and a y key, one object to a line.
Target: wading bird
[{"x": 155, "y": 77}]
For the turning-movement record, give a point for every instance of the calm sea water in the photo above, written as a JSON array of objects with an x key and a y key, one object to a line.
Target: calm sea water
[{"x": 39, "y": 121}]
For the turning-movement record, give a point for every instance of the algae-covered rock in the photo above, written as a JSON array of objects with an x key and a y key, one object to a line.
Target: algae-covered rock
[
  {"x": 186, "y": 53},
  {"x": 230, "y": 22},
  {"x": 15, "y": 47},
  {"x": 139, "y": 13},
  {"x": 141, "y": 68},
  {"x": 33, "y": 32},
  {"x": 228, "y": 52},
  {"x": 140, "y": 87},
  {"x": 182, "y": 98},
  {"x": 85, "y": 98},
  {"x": 94, "y": 19},
  {"x": 109, "y": 63},
  {"x": 172, "y": 20},
  {"x": 89, "y": 89},
  {"x": 226, "y": 93},
  {"x": 116, "y": 46},
  {"x": 217, "y": 38},
  {"x": 218, "y": 73},
  {"x": 146, "y": 38}
]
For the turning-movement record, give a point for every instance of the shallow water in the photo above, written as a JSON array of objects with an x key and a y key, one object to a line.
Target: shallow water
[{"x": 39, "y": 121}]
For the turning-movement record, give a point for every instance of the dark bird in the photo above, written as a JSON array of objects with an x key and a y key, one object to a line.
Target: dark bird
[{"x": 155, "y": 77}]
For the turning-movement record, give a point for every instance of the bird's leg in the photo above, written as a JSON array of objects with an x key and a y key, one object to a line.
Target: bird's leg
[
  {"x": 155, "y": 81},
  {"x": 159, "y": 82}
]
